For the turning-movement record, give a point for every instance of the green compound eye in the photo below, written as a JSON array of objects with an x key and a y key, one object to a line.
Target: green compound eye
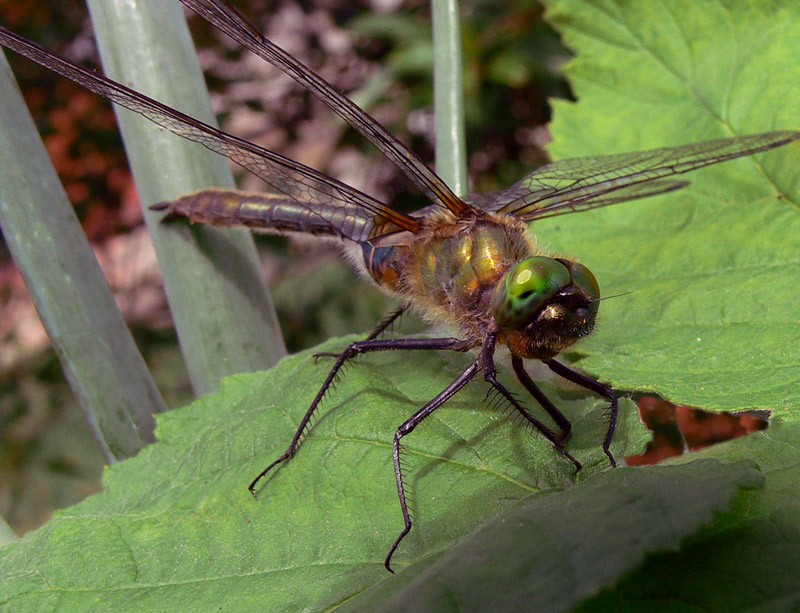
[
  {"x": 583, "y": 279},
  {"x": 528, "y": 286}
]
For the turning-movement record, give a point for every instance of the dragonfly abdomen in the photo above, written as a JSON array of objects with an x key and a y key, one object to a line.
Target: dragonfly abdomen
[{"x": 265, "y": 212}]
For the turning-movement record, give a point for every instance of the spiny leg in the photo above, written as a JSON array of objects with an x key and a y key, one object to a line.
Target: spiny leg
[
  {"x": 552, "y": 410},
  {"x": 353, "y": 350},
  {"x": 407, "y": 427},
  {"x": 389, "y": 320},
  {"x": 490, "y": 374},
  {"x": 599, "y": 388}
]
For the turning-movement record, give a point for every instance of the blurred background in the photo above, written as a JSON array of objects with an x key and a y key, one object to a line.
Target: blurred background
[{"x": 380, "y": 53}]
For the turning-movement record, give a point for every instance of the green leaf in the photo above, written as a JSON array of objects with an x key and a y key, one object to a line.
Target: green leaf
[
  {"x": 561, "y": 547},
  {"x": 747, "y": 560},
  {"x": 712, "y": 320},
  {"x": 176, "y": 528},
  {"x": 7, "y": 535}
]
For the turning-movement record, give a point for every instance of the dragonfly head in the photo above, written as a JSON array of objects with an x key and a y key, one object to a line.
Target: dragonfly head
[{"x": 545, "y": 305}]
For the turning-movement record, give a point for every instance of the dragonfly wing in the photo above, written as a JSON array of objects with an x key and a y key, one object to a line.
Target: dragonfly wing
[
  {"x": 632, "y": 192},
  {"x": 301, "y": 183},
  {"x": 226, "y": 18},
  {"x": 575, "y": 184}
]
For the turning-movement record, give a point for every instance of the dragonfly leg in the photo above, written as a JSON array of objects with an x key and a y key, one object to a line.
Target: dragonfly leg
[
  {"x": 389, "y": 320},
  {"x": 407, "y": 427},
  {"x": 598, "y": 388},
  {"x": 490, "y": 374},
  {"x": 385, "y": 323},
  {"x": 552, "y": 410},
  {"x": 357, "y": 348}
]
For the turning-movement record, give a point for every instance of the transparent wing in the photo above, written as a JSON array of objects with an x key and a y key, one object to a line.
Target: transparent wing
[
  {"x": 632, "y": 192},
  {"x": 227, "y": 19},
  {"x": 302, "y": 184},
  {"x": 579, "y": 184}
]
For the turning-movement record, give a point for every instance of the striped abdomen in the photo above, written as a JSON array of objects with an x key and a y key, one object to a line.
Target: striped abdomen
[{"x": 269, "y": 212}]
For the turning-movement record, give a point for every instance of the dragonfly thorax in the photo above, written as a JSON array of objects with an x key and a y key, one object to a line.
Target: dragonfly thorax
[{"x": 450, "y": 268}]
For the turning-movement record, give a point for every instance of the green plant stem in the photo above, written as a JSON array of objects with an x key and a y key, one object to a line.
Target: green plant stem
[
  {"x": 100, "y": 359},
  {"x": 224, "y": 317},
  {"x": 448, "y": 81}
]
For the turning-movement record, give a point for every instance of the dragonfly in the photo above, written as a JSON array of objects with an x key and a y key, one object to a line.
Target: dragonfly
[{"x": 469, "y": 262}]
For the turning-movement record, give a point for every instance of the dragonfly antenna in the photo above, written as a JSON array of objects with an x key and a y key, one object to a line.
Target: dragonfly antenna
[{"x": 612, "y": 296}]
